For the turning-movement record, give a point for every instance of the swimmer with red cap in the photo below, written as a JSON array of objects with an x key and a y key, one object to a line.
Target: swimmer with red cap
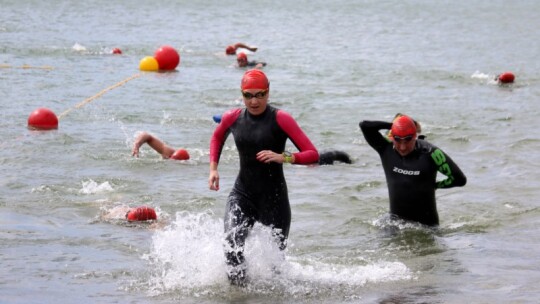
[
  {"x": 243, "y": 62},
  {"x": 410, "y": 165},
  {"x": 141, "y": 213},
  {"x": 231, "y": 49},
  {"x": 136, "y": 214},
  {"x": 259, "y": 193},
  {"x": 159, "y": 146}
]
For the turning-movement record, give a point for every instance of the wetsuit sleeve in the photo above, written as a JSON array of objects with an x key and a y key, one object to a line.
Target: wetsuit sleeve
[
  {"x": 445, "y": 165},
  {"x": 308, "y": 153},
  {"x": 221, "y": 133},
  {"x": 374, "y": 138}
]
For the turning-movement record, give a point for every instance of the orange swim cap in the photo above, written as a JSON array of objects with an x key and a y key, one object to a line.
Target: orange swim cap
[
  {"x": 142, "y": 213},
  {"x": 403, "y": 126},
  {"x": 254, "y": 79},
  {"x": 230, "y": 50},
  {"x": 240, "y": 56},
  {"x": 180, "y": 154}
]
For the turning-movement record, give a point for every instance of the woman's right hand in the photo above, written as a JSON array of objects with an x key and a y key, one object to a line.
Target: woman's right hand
[{"x": 213, "y": 180}]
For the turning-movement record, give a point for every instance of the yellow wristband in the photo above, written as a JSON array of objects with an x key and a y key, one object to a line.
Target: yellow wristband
[{"x": 288, "y": 157}]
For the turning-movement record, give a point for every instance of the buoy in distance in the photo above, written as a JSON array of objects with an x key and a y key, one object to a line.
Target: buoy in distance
[
  {"x": 141, "y": 213},
  {"x": 217, "y": 118},
  {"x": 180, "y": 154},
  {"x": 42, "y": 119},
  {"x": 167, "y": 58},
  {"x": 506, "y": 77},
  {"x": 149, "y": 64},
  {"x": 117, "y": 51}
]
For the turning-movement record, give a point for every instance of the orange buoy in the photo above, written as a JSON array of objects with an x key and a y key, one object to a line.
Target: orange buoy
[
  {"x": 167, "y": 58},
  {"x": 117, "y": 51},
  {"x": 180, "y": 154},
  {"x": 506, "y": 77},
  {"x": 141, "y": 213},
  {"x": 42, "y": 119}
]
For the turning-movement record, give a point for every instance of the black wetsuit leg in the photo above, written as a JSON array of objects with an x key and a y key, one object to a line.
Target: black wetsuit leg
[{"x": 237, "y": 223}]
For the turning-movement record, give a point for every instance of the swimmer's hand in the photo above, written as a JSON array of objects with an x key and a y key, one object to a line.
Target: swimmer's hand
[
  {"x": 267, "y": 156},
  {"x": 135, "y": 151},
  {"x": 213, "y": 180}
]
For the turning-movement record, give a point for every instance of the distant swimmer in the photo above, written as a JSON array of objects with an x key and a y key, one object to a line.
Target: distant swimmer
[
  {"x": 231, "y": 49},
  {"x": 260, "y": 191},
  {"x": 505, "y": 78},
  {"x": 410, "y": 165},
  {"x": 159, "y": 146},
  {"x": 243, "y": 62},
  {"x": 131, "y": 214}
]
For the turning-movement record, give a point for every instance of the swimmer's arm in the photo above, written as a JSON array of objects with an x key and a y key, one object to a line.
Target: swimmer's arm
[
  {"x": 154, "y": 142},
  {"x": 245, "y": 46},
  {"x": 372, "y": 134},
  {"x": 221, "y": 133},
  {"x": 308, "y": 153},
  {"x": 446, "y": 166}
]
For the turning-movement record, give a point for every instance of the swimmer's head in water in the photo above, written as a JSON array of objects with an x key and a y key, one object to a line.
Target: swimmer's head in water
[
  {"x": 230, "y": 50},
  {"x": 254, "y": 79},
  {"x": 403, "y": 126},
  {"x": 180, "y": 154},
  {"x": 241, "y": 56},
  {"x": 142, "y": 213},
  {"x": 241, "y": 59}
]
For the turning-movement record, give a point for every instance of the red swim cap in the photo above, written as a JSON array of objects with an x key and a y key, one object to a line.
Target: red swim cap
[
  {"x": 254, "y": 79},
  {"x": 142, "y": 213},
  {"x": 403, "y": 126},
  {"x": 230, "y": 50},
  {"x": 180, "y": 154},
  {"x": 241, "y": 56}
]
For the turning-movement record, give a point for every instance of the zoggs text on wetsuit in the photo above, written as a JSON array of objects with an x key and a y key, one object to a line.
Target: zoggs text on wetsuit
[
  {"x": 412, "y": 179},
  {"x": 260, "y": 191}
]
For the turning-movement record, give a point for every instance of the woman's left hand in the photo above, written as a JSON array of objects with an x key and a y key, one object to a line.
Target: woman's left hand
[{"x": 267, "y": 156}]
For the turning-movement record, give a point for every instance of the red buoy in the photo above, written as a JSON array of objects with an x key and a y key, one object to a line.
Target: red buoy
[
  {"x": 180, "y": 154},
  {"x": 42, "y": 119},
  {"x": 141, "y": 213},
  {"x": 167, "y": 58},
  {"x": 506, "y": 77},
  {"x": 117, "y": 51}
]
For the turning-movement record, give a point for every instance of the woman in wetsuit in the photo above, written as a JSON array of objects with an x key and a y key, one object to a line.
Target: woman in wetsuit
[
  {"x": 260, "y": 191},
  {"x": 410, "y": 166}
]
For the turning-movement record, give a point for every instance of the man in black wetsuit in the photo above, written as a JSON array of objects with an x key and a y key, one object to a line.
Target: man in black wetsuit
[
  {"x": 260, "y": 192},
  {"x": 410, "y": 166}
]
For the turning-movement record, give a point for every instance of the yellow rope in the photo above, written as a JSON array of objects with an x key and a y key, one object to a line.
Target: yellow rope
[
  {"x": 98, "y": 95},
  {"x": 25, "y": 66}
]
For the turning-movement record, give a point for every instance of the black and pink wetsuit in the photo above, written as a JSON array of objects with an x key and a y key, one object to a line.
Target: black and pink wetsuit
[
  {"x": 260, "y": 191},
  {"x": 412, "y": 178}
]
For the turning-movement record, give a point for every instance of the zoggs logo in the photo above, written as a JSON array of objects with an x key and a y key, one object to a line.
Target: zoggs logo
[{"x": 406, "y": 172}]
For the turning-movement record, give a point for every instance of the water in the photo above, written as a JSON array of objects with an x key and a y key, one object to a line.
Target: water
[{"x": 331, "y": 64}]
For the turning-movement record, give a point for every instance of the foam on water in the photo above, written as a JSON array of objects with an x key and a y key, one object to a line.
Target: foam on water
[
  {"x": 92, "y": 187},
  {"x": 188, "y": 259}
]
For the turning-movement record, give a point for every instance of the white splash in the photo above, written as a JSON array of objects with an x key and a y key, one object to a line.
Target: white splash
[
  {"x": 78, "y": 47},
  {"x": 188, "y": 258},
  {"x": 92, "y": 187},
  {"x": 188, "y": 253},
  {"x": 479, "y": 75}
]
